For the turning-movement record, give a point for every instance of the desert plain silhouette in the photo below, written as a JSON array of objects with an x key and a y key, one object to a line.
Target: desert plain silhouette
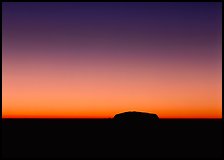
[{"x": 126, "y": 135}]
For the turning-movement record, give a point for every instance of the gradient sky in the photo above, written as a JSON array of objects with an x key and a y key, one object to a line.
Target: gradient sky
[{"x": 93, "y": 60}]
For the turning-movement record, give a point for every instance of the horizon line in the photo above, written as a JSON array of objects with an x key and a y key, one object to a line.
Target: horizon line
[{"x": 65, "y": 118}]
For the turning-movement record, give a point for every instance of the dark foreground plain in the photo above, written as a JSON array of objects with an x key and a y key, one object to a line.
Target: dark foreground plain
[{"x": 105, "y": 138}]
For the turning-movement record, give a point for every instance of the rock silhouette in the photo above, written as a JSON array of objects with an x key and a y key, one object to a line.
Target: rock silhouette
[
  {"x": 133, "y": 118},
  {"x": 133, "y": 115}
]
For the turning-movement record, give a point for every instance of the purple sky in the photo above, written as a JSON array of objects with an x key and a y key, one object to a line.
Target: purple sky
[{"x": 145, "y": 40}]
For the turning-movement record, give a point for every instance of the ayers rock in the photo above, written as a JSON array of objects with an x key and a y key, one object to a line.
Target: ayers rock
[{"x": 133, "y": 116}]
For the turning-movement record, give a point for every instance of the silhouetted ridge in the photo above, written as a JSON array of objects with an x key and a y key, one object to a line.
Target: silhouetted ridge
[
  {"x": 133, "y": 115},
  {"x": 135, "y": 119}
]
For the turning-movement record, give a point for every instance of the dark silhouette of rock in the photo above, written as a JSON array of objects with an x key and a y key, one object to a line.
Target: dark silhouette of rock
[
  {"x": 136, "y": 116},
  {"x": 135, "y": 119}
]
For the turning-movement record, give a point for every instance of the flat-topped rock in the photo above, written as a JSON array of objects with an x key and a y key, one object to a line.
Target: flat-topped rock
[{"x": 134, "y": 117}]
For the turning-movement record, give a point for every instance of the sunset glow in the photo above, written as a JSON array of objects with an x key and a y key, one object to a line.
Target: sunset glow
[{"x": 96, "y": 60}]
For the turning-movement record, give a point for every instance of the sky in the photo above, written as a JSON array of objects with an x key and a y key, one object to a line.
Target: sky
[{"x": 93, "y": 60}]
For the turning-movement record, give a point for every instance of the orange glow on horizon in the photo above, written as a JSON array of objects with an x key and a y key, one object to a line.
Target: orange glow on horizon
[
  {"x": 94, "y": 61},
  {"x": 98, "y": 94}
]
